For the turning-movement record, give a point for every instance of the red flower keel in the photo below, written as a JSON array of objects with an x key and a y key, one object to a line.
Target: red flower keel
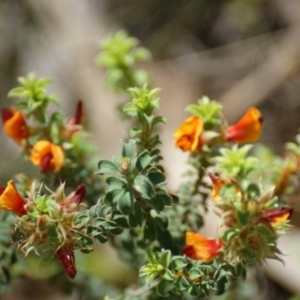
[{"x": 66, "y": 257}]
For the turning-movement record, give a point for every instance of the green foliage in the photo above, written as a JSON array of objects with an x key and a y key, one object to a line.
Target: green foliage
[
  {"x": 141, "y": 109},
  {"x": 234, "y": 163},
  {"x": 135, "y": 212},
  {"x": 34, "y": 93},
  {"x": 135, "y": 196},
  {"x": 181, "y": 276},
  {"x": 79, "y": 150},
  {"x": 281, "y": 172},
  {"x": 52, "y": 222},
  {"x": 119, "y": 54},
  {"x": 7, "y": 249},
  {"x": 208, "y": 110},
  {"x": 143, "y": 102}
]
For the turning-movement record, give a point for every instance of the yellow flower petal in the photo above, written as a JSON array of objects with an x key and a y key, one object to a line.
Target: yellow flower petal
[
  {"x": 47, "y": 155},
  {"x": 11, "y": 200},
  {"x": 188, "y": 135},
  {"x": 276, "y": 215},
  {"x": 58, "y": 157},
  {"x": 247, "y": 129},
  {"x": 14, "y": 124},
  {"x": 199, "y": 247}
]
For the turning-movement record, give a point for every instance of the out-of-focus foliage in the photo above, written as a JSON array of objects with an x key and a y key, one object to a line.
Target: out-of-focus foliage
[{"x": 208, "y": 25}]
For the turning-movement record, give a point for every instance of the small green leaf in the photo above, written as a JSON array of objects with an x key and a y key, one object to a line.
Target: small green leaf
[
  {"x": 151, "y": 258},
  {"x": 125, "y": 202},
  {"x": 120, "y": 219},
  {"x": 222, "y": 286},
  {"x": 243, "y": 217},
  {"x": 206, "y": 287},
  {"x": 160, "y": 219},
  {"x": 86, "y": 240},
  {"x": 156, "y": 177},
  {"x": 135, "y": 131},
  {"x": 143, "y": 186},
  {"x": 253, "y": 191},
  {"x": 132, "y": 220},
  {"x": 143, "y": 160},
  {"x": 112, "y": 196},
  {"x": 138, "y": 213},
  {"x": 168, "y": 199},
  {"x": 129, "y": 149},
  {"x": 195, "y": 290},
  {"x": 157, "y": 202},
  {"x": 165, "y": 258},
  {"x": 168, "y": 275},
  {"x": 94, "y": 211},
  {"x": 81, "y": 219},
  {"x": 16, "y": 92},
  {"x": 114, "y": 182},
  {"x": 163, "y": 288},
  {"x": 158, "y": 119},
  {"x": 101, "y": 238},
  {"x": 98, "y": 222},
  {"x": 178, "y": 263},
  {"x": 106, "y": 167},
  {"x": 109, "y": 225},
  {"x": 237, "y": 270},
  {"x": 181, "y": 283},
  {"x": 34, "y": 105},
  {"x": 87, "y": 250},
  {"x": 194, "y": 273},
  {"x": 136, "y": 217},
  {"x": 223, "y": 271},
  {"x": 164, "y": 238},
  {"x": 230, "y": 234},
  {"x": 149, "y": 231},
  {"x": 116, "y": 230}
]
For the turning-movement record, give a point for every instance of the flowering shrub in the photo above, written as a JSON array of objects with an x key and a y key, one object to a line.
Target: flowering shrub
[{"x": 126, "y": 202}]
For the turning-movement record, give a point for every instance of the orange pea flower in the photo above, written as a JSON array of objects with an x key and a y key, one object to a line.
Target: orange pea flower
[
  {"x": 188, "y": 135},
  {"x": 47, "y": 155},
  {"x": 199, "y": 247},
  {"x": 65, "y": 256},
  {"x": 74, "y": 123},
  {"x": 247, "y": 129},
  {"x": 14, "y": 124},
  {"x": 276, "y": 215},
  {"x": 11, "y": 200}
]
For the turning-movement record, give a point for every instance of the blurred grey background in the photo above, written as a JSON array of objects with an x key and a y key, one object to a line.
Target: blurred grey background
[{"x": 240, "y": 52}]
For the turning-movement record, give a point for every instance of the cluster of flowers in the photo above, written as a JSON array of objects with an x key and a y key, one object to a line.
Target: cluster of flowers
[
  {"x": 190, "y": 136},
  {"x": 50, "y": 157},
  {"x": 44, "y": 213},
  {"x": 43, "y": 153}
]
